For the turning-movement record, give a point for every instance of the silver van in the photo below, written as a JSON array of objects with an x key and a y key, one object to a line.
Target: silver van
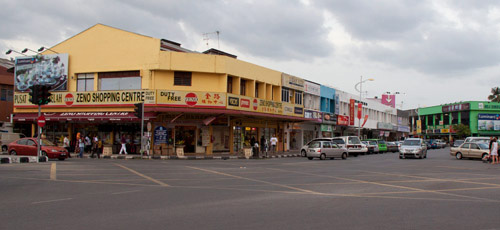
[{"x": 323, "y": 149}]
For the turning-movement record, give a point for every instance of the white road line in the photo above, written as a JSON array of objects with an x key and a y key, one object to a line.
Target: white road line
[
  {"x": 48, "y": 201},
  {"x": 124, "y": 192}
]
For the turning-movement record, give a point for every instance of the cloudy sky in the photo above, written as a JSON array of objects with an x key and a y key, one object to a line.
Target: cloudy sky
[{"x": 432, "y": 52}]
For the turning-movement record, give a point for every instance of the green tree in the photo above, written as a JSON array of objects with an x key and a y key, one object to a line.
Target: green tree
[
  {"x": 462, "y": 130},
  {"x": 495, "y": 94}
]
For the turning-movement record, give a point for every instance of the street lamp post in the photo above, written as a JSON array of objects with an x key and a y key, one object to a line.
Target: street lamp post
[{"x": 360, "y": 83}]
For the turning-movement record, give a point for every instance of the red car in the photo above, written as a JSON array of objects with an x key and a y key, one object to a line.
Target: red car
[{"x": 27, "y": 147}]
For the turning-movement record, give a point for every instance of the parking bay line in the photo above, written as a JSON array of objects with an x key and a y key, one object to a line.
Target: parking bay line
[
  {"x": 49, "y": 201},
  {"x": 53, "y": 171},
  {"x": 389, "y": 185},
  {"x": 144, "y": 176}
]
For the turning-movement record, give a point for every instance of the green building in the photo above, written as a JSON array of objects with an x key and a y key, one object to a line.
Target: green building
[{"x": 482, "y": 117}]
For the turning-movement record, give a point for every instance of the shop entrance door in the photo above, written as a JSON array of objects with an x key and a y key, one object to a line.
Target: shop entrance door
[{"x": 186, "y": 135}]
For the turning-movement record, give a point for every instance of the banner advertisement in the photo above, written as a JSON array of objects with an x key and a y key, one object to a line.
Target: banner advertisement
[
  {"x": 292, "y": 82},
  {"x": 312, "y": 88},
  {"x": 85, "y": 99},
  {"x": 311, "y": 114},
  {"x": 364, "y": 122},
  {"x": 453, "y": 108},
  {"x": 251, "y": 104},
  {"x": 160, "y": 135},
  {"x": 360, "y": 110},
  {"x": 385, "y": 126},
  {"x": 290, "y": 109},
  {"x": 389, "y": 100},
  {"x": 337, "y": 104},
  {"x": 342, "y": 120},
  {"x": 329, "y": 118},
  {"x": 488, "y": 122},
  {"x": 51, "y": 70},
  {"x": 191, "y": 99},
  {"x": 351, "y": 112},
  {"x": 419, "y": 126}
]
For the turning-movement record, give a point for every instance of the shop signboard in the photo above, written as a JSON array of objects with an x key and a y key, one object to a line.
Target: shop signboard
[
  {"x": 351, "y": 111},
  {"x": 419, "y": 126},
  {"x": 457, "y": 107},
  {"x": 326, "y": 128},
  {"x": 311, "y": 114},
  {"x": 488, "y": 122},
  {"x": 384, "y": 126},
  {"x": 292, "y": 82},
  {"x": 90, "y": 98},
  {"x": 251, "y": 104},
  {"x": 312, "y": 88},
  {"x": 51, "y": 70},
  {"x": 160, "y": 135},
  {"x": 337, "y": 104},
  {"x": 191, "y": 99},
  {"x": 329, "y": 118},
  {"x": 404, "y": 129},
  {"x": 342, "y": 120}
]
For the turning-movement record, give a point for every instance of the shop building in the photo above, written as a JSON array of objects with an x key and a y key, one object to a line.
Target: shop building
[
  {"x": 312, "y": 101},
  {"x": 195, "y": 103},
  {"x": 6, "y": 94},
  {"x": 482, "y": 118},
  {"x": 328, "y": 105},
  {"x": 377, "y": 120}
]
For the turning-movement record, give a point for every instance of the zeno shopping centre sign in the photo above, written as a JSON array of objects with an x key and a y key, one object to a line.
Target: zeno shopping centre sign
[{"x": 84, "y": 99}]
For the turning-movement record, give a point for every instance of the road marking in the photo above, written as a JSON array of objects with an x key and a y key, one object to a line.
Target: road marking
[
  {"x": 125, "y": 192},
  {"x": 49, "y": 201},
  {"x": 389, "y": 185},
  {"x": 255, "y": 180},
  {"x": 144, "y": 176},
  {"x": 53, "y": 171}
]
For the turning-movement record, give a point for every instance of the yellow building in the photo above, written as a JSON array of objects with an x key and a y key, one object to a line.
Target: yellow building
[{"x": 202, "y": 103}]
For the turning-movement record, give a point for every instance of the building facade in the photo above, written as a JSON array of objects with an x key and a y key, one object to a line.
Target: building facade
[
  {"x": 195, "y": 103},
  {"x": 6, "y": 94}
]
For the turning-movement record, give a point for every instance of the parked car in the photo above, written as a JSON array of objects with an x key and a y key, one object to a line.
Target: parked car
[
  {"x": 478, "y": 139},
  {"x": 323, "y": 149},
  {"x": 457, "y": 143},
  {"x": 354, "y": 145},
  {"x": 392, "y": 147},
  {"x": 470, "y": 150},
  {"x": 431, "y": 144},
  {"x": 371, "y": 145},
  {"x": 7, "y": 138},
  {"x": 335, "y": 140},
  {"x": 382, "y": 146},
  {"x": 413, "y": 147},
  {"x": 28, "y": 147},
  {"x": 441, "y": 144}
]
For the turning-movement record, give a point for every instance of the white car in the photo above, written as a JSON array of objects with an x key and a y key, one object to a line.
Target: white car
[{"x": 354, "y": 145}]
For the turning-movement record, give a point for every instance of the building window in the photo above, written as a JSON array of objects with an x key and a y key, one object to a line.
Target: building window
[
  {"x": 230, "y": 84},
  {"x": 243, "y": 87},
  {"x": 125, "y": 80},
  {"x": 285, "y": 95},
  {"x": 85, "y": 82},
  {"x": 298, "y": 98},
  {"x": 257, "y": 90},
  {"x": 10, "y": 94},
  {"x": 182, "y": 78}
]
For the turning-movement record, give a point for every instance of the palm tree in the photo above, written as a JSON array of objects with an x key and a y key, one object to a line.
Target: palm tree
[{"x": 495, "y": 94}]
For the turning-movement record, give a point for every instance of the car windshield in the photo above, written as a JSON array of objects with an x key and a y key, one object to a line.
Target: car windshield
[
  {"x": 381, "y": 142},
  {"x": 47, "y": 143},
  {"x": 411, "y": 142},
  {"x": 354, "y": 140},
  {"x": 372, "y": 142}
]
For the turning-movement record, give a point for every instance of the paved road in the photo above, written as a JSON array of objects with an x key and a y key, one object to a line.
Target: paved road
[{"x": 367, "y": 192}]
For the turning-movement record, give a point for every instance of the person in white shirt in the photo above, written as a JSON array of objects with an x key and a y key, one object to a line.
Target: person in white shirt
[
  {"x": 273, "y": 141},
  {"x": 66, "y": 145},
  {"x": 494, "y": 151}
]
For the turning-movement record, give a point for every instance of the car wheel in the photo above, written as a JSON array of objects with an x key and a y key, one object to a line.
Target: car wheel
[
  {"x": 331, "y": 158},
  {"x": 44, "y": 154},
  {"x": 344, "y": 156},
  {"x": 4, "y": 148},
  {"x": 458, "y": 156},
  {"x": 303, "y": 153},
  {"x": 425, "y": 155},
  {"x": 322, "y": 156},
  {"x": 400, "y": 157},
  {"x": 13, "y": 152},
  {"x": 421, "y": 156},
  {"x": 310, "y": 158}
]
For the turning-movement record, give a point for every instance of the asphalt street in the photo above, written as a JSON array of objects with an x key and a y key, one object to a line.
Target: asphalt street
[{"x": 366, "y": 192}]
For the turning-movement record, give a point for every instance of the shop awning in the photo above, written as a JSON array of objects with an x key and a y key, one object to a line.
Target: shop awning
[{"x": 84, "y": 116}]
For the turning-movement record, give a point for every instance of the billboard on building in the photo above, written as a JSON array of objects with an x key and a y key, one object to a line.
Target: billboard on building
[
  {"x": 488, "y": 122},
  {"x": 292, "y": 82},
  {"x": 312, "y": 88},
  {"x": 51, "y": 70},
  {"x": 389, "y": 100}
]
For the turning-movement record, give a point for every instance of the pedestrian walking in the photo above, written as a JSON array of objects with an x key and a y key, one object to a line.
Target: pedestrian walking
[
  {"x": 66, "y": 145},
  {"x": 263, "y": 145},
  {"x": 494, "y": 151},
  {"x": 124, "y": 147},
  {"x": 274, "y": 141},
  {"x": 95, "y": 148},
  {"x": 81, "y": 145},
  {"x": 88, "y": 144},
  {"x": 256, "y": 149}
]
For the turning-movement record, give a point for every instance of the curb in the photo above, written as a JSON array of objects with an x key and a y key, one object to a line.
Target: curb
[
  {"x": 22, "y": 159},
  {"x": 219, "y": 157}
]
